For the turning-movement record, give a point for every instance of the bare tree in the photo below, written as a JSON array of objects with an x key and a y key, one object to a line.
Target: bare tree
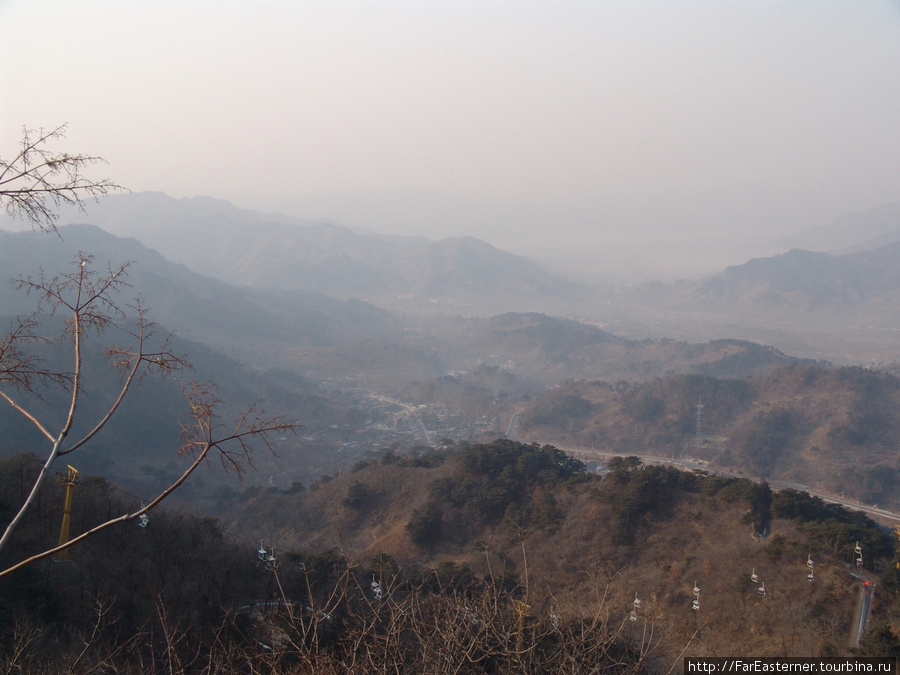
[
  {"x": 37, "y": 180},
  {"x": 90, "y": 303}
]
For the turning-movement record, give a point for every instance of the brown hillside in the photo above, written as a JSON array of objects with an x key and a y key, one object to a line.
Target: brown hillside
[
  {"x": 652, "y": 531},
  {"x": 834, "y": 429}
]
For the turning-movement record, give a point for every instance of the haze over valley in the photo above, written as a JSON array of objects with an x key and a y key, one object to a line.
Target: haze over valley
[
  {"x": 396, "y": 342},
  {"x": 484, "y": 337}
]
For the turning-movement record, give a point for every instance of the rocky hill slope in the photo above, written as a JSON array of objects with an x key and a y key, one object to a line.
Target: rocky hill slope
[
  {"x": 581, "y": 546},
  {"x": 834, "y": 429}
]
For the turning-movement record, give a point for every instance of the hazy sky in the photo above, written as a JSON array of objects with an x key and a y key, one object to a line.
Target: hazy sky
[{"x": 526, "y": 100}]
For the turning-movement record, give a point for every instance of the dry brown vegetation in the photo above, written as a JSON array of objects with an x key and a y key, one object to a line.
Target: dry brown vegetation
[
  {"x": 519, "y": 525},
  {"x": 834, "y": 429},
  {"x": 653, "y": 532}
]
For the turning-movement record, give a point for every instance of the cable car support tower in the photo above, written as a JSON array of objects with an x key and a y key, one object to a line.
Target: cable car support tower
[{"x": 69, "y": 480}]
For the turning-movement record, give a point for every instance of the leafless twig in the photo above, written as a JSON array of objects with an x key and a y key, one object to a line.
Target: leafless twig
[{"x": 37, "y": 180}]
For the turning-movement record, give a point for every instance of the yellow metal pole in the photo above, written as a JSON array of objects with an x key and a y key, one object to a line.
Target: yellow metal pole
[
  {"x": 522, "y": 609},
  {"x": 69, "y": 481}
]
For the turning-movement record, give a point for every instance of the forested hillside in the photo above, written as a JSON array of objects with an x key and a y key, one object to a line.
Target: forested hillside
[
  {"x": 582, "y": 544},
  {"x": 834, "y": 429},
  {"x": 427, "y": 562}
]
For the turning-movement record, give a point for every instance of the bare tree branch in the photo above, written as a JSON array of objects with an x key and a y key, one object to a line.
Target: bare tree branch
[
  {"x": 232, "y": 447},
  {"x": 90, "y": 302},
  {"x": 37, "y": 180},
  {"x": 18, "y": 368},
  {"x": 134, "y": 363}
]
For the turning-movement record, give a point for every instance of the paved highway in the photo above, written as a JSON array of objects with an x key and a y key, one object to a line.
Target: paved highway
[
  {"x": 513, "y": 428},
  {"x": 410, "y": 411}
]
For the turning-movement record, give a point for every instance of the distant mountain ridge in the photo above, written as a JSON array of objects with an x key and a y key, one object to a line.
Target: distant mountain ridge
[
  {"x": 859, "y": 284},
  {"x": 550, "y": 350},
  {"x": 346, "y": 338},
  {"x": 857, "y": 231},
  {"x": 214, "y": 238},
  {"x": 196, "y": 306},
  {"x": 808, "y": 280}
]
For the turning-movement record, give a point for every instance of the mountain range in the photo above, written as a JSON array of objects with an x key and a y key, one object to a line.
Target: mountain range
[
  {"x": 844, "y": 267},
  {"x": 310, "y": 331},
  {"x": 856, "y": 231},
  {"x": 389, "y": 352},
  {"x": 350, "y": 354},
  {"x": 799, "y": 281},
  {"x": 196, "y": 306},
  {"x": 248, "y": 248},
  {"x": 330, "y": 362},
  {"x": 841, "y": 307}
]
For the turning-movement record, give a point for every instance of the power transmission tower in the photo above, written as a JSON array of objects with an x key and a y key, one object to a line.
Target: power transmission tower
[{"x": 698, "y": 433}]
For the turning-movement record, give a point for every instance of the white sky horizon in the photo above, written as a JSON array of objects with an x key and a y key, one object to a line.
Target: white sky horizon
[{"x": 550, "y": 103}]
